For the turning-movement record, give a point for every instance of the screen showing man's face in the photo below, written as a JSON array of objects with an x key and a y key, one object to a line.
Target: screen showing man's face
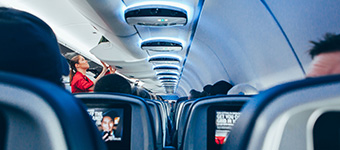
[{"x": 107, "y": 123}]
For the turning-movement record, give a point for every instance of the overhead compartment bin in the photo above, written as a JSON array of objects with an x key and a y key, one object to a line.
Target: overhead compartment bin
[{"x": 107, "y": 16}]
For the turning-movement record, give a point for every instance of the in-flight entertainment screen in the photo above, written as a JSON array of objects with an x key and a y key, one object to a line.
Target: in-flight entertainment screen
[{"x": 221, "y": 120}]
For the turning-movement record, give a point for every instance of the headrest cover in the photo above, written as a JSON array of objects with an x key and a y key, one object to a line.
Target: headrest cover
[
  {"x": 29, "y": 46},
  {"x": 243, "y": 89}
]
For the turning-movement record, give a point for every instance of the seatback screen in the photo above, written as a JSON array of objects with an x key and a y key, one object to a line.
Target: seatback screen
[
  {"x": 221, "y": 120},
  {"x": 110, "y": 122},
  {"x": 224, "y": 123},
  {"x": 113, "y": 122}
]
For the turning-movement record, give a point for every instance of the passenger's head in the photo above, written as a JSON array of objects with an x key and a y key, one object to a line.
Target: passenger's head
[
  {"x": 194, "y": 94},
  {"x": 78, "y": 63},
  {"x": 29, "y": 46},
  {"x": 141, "y": 92},
  {"x": 206, "y": 90},
  {"x": 113, "y": 83},
  {"x": 220, "y": 87},
  {"x": 326, "y": 56}
]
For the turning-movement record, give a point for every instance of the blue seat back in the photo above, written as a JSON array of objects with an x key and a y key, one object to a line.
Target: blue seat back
[
  {"x": 200, "y": 128},
  {"x": 285, "y": 116},
  {"x": 141, "y": 130},
  {"x": 40, "y": 115}
]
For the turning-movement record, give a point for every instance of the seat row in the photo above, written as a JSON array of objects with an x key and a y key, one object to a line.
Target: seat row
[{"x": 36, "y": 114}]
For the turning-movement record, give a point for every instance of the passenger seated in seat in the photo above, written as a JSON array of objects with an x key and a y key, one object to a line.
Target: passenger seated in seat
[
  {"x": 194, "y": 94},
  {"x": 326, "y": 56},
  {"x": 28, "y": 46},
  {"x": 220, "y": 87},
  {"x": 113, "y": 83}
]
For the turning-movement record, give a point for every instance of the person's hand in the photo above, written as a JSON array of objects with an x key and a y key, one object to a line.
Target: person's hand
[
  {"x": 112, "y": 70},
  {"x": 105, "y": 137}
]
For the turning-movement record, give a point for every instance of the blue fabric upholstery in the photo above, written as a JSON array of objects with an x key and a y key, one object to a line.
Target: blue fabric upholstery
[
  {"x": 242, "y": 132},
  {"x": 77, "y": 127}
]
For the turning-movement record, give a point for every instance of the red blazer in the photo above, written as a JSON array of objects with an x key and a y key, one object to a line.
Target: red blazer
[{"x": 80, "y": 83}]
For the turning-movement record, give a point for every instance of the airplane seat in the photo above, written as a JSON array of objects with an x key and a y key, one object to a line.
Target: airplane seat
[
  {"x": 297, "y": 115},
  {"x": 179, "y": 100},
  {"x": 134, "y": 114},
  {"x": 164, "y": 119},
  {"x": 182, "y": 121},
  {"x": 157, "y": 118},
  {"x": 37, "y": 114},
  {"x": 243, "y": 89},
  {"x": 177, "y": 113},
  {"x": 210, "y": 120}
]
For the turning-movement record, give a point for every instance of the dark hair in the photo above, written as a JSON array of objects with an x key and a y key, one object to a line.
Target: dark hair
[
  {"x": 28, "y": 40},
  {"x": 113, "y": 83},
  {"x": 73, "y": 61},
  {"x": 220, "y": 87},
  {"x": 194, "y": 94},
  {"x": 331, "y": 43}
]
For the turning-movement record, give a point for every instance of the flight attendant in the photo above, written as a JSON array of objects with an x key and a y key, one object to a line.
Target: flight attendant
[{"x": 78, "y": 80}]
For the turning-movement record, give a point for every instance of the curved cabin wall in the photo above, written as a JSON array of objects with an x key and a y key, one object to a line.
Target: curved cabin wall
[{"x": 248, "y": 42}]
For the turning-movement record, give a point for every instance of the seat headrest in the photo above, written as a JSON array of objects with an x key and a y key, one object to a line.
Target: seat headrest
[
  {"x": 29, "y": 46},
  {"x": 243, "y": 89}
]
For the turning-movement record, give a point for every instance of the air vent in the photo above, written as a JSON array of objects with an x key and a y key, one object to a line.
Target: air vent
[
  {"x": 167, "y": 74},
  {"x": 162, "y": 46},
  {"x": 166, "y": 68},
  {"x": 169, "y": 82},
  {"x": 164, "y": 59},
  {"x": 156, "y": 16},
  {"x": 167, "y": 78}
]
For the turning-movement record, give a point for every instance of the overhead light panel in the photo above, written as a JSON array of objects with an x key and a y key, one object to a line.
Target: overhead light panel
[
  {"x": 167, "y": 74},
  {"x": 166, "y": 68},
  {"x": 168, "y": 78},
  {"x": 164, "y": 59},
  {"x": 162, "y": 45},
  {"x": 156, "y": 15},
  {"x": 169, "y": 82}
]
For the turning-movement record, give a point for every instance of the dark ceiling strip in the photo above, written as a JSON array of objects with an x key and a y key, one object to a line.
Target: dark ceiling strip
[
  {"x": 284, "y": 34},
  {"x": 195, "y": 23}
]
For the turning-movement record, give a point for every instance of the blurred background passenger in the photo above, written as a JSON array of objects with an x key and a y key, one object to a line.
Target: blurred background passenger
[
  {"x": 141, "y": 93},
  {"x": 113, "y": 83},
  {"x": 194, "y": 94},
  {"x": 206, "y": 90},
  {"x": 220, "y": 87},
  {"x": 29, "y": 46},
  {"x": 78, "y": 80}
]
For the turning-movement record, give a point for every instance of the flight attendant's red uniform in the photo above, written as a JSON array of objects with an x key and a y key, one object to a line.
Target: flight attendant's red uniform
[{"x": 80, "y": 83}]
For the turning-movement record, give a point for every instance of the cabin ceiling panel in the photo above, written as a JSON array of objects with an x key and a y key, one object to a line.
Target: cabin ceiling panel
[
  {"x": 171, "y": 32},
  {"x": 247, "y": 41},
  {"x": 203, "y": 67},
  {"x": 306, "y": 20}
]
